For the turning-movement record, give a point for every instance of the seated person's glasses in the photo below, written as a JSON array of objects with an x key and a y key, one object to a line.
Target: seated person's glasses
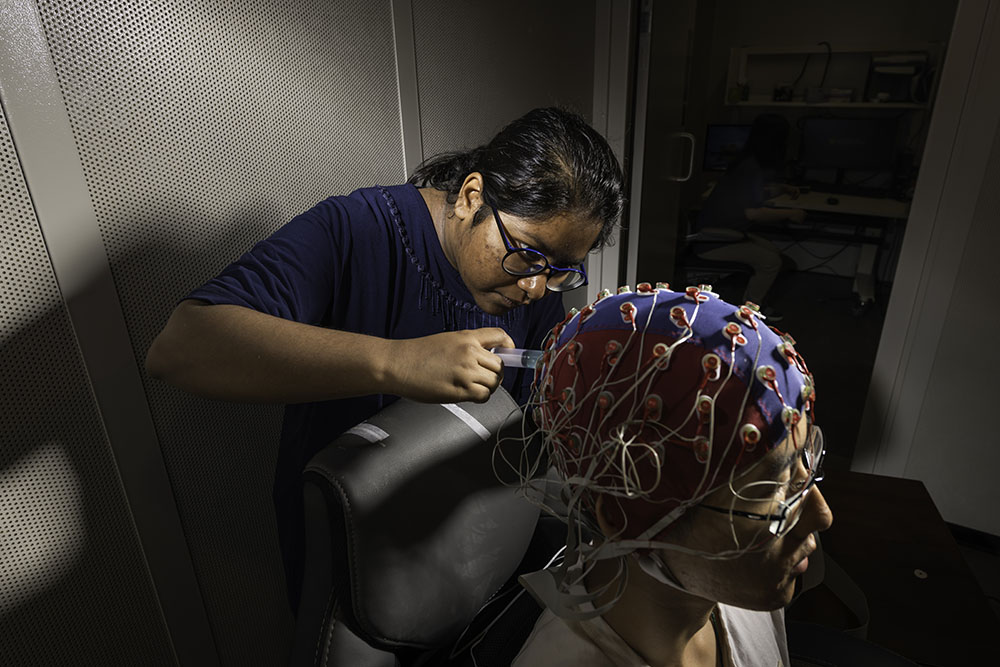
[
  {"x": 790, "y": 509},
  {"x": 524, "y": 261}
]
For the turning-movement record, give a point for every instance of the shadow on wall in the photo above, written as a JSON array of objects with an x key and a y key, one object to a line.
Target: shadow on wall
[
  {"x": 73, "y": 586},
  {"x": 70, "y": 561},
  {"x": 220, "y": 456}
]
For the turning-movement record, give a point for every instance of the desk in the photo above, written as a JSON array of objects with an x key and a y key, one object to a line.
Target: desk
[
  {"x": 884, "y": 530},
  {"x": 869, "y": 214},
  {"x": 874, "y": 207}
]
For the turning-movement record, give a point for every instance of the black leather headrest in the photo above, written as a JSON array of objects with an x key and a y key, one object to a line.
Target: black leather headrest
[{"x": 423, "y": 533}]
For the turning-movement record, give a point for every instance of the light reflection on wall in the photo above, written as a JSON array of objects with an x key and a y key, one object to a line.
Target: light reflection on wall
[{"x": 43, "y": 530}]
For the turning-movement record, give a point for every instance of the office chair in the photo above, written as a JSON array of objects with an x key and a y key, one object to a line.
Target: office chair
[
  {"x": 694, "y": 269},
  {"x": 408, "y": 533},
  {"x": 413, "y": 546}
]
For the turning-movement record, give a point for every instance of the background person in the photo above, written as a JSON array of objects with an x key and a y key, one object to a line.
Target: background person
[
  {"x": 737, "y": 203},
  {"x": 681, "y": 431},
  {"x": 398, "y": 291}
]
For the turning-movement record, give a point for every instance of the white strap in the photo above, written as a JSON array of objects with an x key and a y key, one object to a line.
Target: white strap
[
  {"x": 369, "y": 432},
  {"x": 470, "y": 421}
]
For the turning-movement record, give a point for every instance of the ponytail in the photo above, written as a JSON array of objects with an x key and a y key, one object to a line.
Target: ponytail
[{"x": 444, "y": 171}]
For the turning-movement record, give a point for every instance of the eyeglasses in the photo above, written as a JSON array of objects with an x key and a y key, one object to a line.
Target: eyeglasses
[
  {"x": 790, "y": 510},
  {"x": 524, "y": 261}
]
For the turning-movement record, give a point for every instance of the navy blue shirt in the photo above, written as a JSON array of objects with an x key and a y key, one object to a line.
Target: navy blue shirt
[{"x": 369, "y": 263}]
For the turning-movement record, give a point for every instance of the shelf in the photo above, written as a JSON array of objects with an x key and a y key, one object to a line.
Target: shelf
[
  {"x": 755, "y": 72},
  {"x": 804, "y": 50},
  {"x": 837, "y": 105}
]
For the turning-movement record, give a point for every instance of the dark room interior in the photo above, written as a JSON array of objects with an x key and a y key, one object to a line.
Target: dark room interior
[{"x": 196, "y": 451}]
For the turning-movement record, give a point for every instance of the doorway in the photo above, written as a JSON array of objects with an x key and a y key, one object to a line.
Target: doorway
[{"x": 855, "y": 84}]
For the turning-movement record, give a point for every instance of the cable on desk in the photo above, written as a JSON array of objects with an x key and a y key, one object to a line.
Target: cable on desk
[
  {"x": 812, "y": 254},
  {"x": 826, "y": 67},
  {"x": 826, "y": 259}
]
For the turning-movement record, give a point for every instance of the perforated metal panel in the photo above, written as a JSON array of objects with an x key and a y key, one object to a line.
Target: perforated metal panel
[
  {"x": 201, "y": 128},
  {"x": 73, "y": 584},
  {"x": 482, "y": 64}
]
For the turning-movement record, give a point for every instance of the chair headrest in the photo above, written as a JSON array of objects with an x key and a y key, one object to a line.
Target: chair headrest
[{"x": 423, "y": 531}]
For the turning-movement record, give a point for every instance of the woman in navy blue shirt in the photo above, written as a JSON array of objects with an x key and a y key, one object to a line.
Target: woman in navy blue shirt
[{"x": 399, "y": 291}]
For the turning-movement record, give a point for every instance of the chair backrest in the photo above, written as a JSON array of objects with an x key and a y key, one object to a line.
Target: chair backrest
[{"x": 408, "y": 530}]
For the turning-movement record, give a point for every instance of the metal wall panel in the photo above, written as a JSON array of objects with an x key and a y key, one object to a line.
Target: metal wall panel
[
  {"x": 482, "y": 64},
  {"x": 957, "y": 457},
  {"x": 202, "y": 127},
  {"x": 74, "y": 588}
]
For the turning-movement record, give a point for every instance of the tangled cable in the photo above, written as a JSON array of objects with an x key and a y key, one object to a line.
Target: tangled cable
[{"x": 652, "y": 399}]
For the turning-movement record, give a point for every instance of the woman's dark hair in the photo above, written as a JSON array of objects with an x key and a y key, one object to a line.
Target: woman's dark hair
[
  {"x": 547, "y": 162},
  {"x": 767, "y": 141}
]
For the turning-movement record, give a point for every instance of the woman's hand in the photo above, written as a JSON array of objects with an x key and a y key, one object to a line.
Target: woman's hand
[{"x": 447, "y": 367}]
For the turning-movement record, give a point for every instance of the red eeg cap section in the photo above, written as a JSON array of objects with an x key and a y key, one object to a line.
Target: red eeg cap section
[{"x": 628, "y": 381}]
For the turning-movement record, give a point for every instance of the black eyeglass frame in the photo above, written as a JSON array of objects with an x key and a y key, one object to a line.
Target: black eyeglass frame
[
  {"x": 779, "y": 522},
  {"x": 542, "y": 268}
]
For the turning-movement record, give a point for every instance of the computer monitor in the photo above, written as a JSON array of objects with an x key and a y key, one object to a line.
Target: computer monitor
[
  {"x": 848, "y": 143},
  {"x": 722, "y": 144}
]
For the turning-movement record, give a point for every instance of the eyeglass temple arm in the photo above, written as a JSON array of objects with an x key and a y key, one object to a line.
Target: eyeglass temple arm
[{"x": 749, "y": 515}]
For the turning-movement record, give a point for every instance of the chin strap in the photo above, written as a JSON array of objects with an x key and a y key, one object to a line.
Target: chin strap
[
  {"x": 651, "y": 563},
  {"x": 550, "y": 590},
  {"x": 561, "y": 589}
]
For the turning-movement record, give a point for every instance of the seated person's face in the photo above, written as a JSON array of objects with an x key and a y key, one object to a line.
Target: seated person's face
[{"x": 763, "y": 579}]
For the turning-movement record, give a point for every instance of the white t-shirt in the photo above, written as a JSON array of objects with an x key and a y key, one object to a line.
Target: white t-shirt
[{"x": 749, "y": 639}]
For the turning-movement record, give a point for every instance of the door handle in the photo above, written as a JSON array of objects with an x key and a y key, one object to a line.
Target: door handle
[{"x": 690, "y": 169}]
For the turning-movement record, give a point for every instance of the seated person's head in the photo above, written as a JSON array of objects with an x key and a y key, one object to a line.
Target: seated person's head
[
  {"x": 664, "y": 444},
  {"x": 768, "y": 140}
]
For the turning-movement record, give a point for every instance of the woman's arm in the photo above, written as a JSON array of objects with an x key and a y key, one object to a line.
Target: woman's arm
[
  {"x": 775, "y": 189},
  {"x": 235, "y": 353}
]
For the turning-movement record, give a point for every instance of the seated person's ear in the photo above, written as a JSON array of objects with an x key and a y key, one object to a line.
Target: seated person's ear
[{"x": 610, "y": 516}]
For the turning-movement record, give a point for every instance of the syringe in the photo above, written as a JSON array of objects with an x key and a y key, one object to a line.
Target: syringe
[{"x": 517, "y": 358}]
